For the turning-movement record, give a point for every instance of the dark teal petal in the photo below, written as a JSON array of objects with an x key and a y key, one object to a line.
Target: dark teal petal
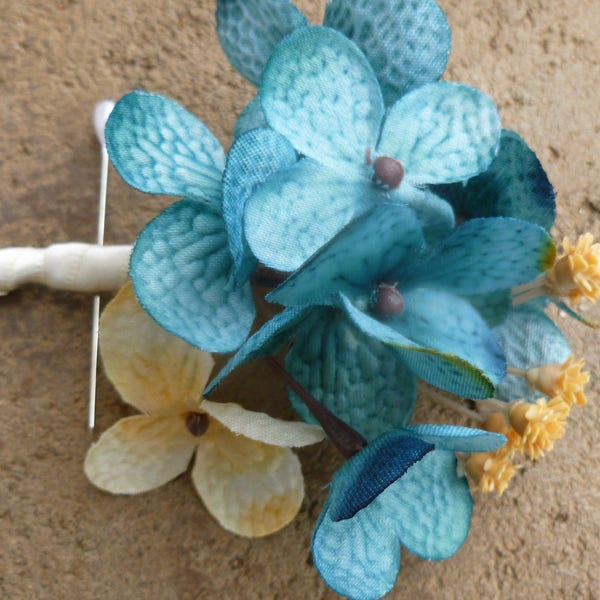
[
  {"x": 529, "y": 338},
  {"x": 253, "y": 158},
  {"x": 493, "y": 307},
  {"x": 486, "y": 255},
  {"x": 441, "y": 132},
  {"x": 159, "y": 147},
  {"x": 266, "y": 341},
  {"x": 359, "y": 379},
  {"x": 407, "y": 43},
  {"x": 252, "y": 117},
  {"x": 357, "y": 259},
  {"x": 249, "y": 31},
  {"x": 320, "y": 92},
  {"x": 180, "y": 267},
  {"x": 456, "y": 438},
  {"x": 515, "y": 185}
]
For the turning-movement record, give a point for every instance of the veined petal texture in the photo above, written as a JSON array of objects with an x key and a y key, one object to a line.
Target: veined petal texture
[
  {"x": 320, "y": 92},
  {"x": 407, "y": 43},
  {"x": 180, "y": 267},
  {"x": 249, "y": 31},
  {"x": 159, "y": 147}
]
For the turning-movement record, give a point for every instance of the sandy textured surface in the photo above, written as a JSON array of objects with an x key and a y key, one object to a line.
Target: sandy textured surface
[{"x": 59, "y": 536}]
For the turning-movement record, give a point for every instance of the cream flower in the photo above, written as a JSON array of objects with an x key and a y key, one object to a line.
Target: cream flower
[{"x": 244, "y": 470}]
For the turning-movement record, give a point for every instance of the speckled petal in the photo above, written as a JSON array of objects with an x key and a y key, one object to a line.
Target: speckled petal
[
  {"x": 159, "y": 147},
  {"x": 248, "y": 31},
  {"x": 139, "y": 453},
  {"x": 441, "y": 132},
  {"x": 301, "y": 208},
  {"x": 253, "y": 158},
  {"x": 180, "y": 267},
  {"x": 485, "y": 255},
  {"x": 359, "y": 379},
  {"x": 252, "y": 117},
  {"x": 154, "y": 371},
  {"x": 320, "y": 92},
  {"x": 357, "y": 259},
  {"x": 251, "y": 488},
  {"x": 456, "y": 438},
  {"x": 407, "y": 43},
  {"x": 261, "y": 427},
  {"x": 529, "y": 338}
]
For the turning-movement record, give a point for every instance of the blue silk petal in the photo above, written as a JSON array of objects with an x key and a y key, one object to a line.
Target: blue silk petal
[
  {"x": 456, "y": 438},
  {"x": 159, "y": 147},
  {"x": 299, "y": 209},
  {"x": 252, "y": 159},
  {"x": 252, "y": 117},
  {"x": 485, "y": 255},
  {"x": 407, "y": 43},
  {"x": 359, "y": 379},
  {"x": 529, "y": 338},
  {"x": 357, "y": 259},
  {"x": 444, "y": 370},
  {"x": 441, "y": 132},
  {"x": 180, "y": 267},
  {"x": 320, "y": 92},
  {"x": 249, "y": 31}
]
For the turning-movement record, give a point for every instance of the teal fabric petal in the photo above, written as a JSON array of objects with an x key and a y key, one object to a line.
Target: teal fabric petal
[
  {"x": 252, "y": 117},
  {"x": 249, "y": 31},
  {"x": 493, "y": 307},
  {"x": 444, "y": 370},
  {"x": 180, "y": 267},
  {"x": 269, "y": 339},
  {"x": 430, "y": 507},
  {"x": 529, "y": 338},
  {"x": 456, "y": 438},
  {"x": 515, "y": 185},
  {"x": 437, "y": 319},
  {"x": 436, "y": 215},
  {"x": 407, "y": 43},
  {"x": 359, "y": 379},
  {"x": 485, "y": 255},
  {"x": 357, "y": 259},
  {"x": 441, "y": 132},
  {"x": 252, "y": 159},
  {"x": 159, "y": 147},
  {"x": 358, "y": 558},
  {"x": 320, "y": 92},
  {"x": 299, "y": 209}
]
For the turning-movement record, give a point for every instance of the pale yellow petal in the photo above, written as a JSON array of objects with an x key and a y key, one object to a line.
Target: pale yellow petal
[
  {"x": 263, "y": 428},
  {"x": 140, "y": 453},
  {"x": 251, "y": 488},
  {"x": 153, "y": 370}
]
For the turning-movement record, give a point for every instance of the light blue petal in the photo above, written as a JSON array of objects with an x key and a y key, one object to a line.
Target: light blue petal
[
  {"x": 299, "y": 209},
  {"x": 407, "y": 43},
  {"x": 430, "y": 507},
  {"x": 358, "y": 558},
  {"x": 252, "y": 117},
  {"x": 357, "y": 259},
  {"x": 252, "y": 159},
  {"x": 248, "y": 31},
  {"x": 485, "y": 255},
  {"x": 266, "y": 341},
  {"x": 320, "y": 92},
  {"x": 359, "y": 379},
  {"x": 443, "y": 370},
  {"x": 493, "y": 307},
  {"x": 456, "y": 438},
  {"x": 515, "y": 185},
  {"x": 159, "y": 147},
  {"x": 180, "y": 267},
  {"x": 529, "y": 338},
  {"x": 436, "y": 319},
  {"x": 441, "y": 132}
]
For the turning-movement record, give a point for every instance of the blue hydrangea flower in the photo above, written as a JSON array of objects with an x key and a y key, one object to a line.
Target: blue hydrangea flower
[
  {"x": 405, "y": 489},
  {"x": 319, "y": 91}
]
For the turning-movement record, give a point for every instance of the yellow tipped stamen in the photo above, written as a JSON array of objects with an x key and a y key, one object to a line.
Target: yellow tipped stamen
[
  {"x": 566, "y": 381},
  {"x": 539, "y": 424}
]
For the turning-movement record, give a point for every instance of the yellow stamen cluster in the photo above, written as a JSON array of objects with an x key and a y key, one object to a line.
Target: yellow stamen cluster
[
  {"x": 576, "y": 273},
  {"x": 566, "y": 381}
]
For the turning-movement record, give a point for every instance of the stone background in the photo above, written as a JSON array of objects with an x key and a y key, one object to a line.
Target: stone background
[{"x": 62, "y": 538}]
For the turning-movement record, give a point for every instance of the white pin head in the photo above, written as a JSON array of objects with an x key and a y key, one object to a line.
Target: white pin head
[{"x": 102, "y": 111}]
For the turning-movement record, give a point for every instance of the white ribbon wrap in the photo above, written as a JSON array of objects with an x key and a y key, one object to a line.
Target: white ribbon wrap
[{"x": 72, "y": 266}]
